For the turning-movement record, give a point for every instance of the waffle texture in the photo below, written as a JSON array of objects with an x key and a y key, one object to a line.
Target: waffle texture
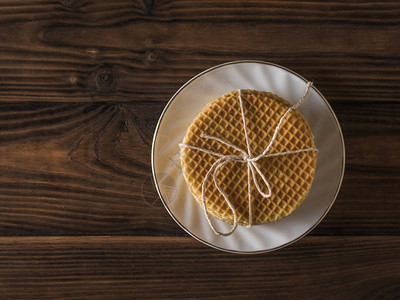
[{"x": 290, "y": 176}]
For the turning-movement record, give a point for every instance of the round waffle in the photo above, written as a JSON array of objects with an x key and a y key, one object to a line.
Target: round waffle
[{"x": 290, "y": 176}]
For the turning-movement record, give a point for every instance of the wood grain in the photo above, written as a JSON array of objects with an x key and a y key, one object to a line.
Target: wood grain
[
  {"x": 82, "y": 85},
  {"x": 61, "y": 50},
  {"x": 170, "y": 268},
  {"x": 84, "y": 168}
]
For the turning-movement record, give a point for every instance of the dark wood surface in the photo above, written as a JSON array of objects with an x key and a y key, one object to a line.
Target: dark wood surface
[{"x": 82, "y": 85}]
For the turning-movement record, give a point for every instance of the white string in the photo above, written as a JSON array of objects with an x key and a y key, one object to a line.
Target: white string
[
  {"x": 309, "y": 84},
  {"x": 246, "y": 157},
  {"x": 249, "y": 164},
  {"x": 223, "y": 142},
  {"x": 249, "y": 193}
]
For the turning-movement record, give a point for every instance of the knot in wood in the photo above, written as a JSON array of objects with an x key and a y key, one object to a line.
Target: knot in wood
[
  {"x": 68, "y": 3},
  {"x": 148, "y": 6},
  {"x": 152, "y": 57},
  {"x": 105, "y": 78}
]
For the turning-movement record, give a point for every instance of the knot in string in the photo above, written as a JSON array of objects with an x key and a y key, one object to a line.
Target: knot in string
[{"x": 245, "y": 157}]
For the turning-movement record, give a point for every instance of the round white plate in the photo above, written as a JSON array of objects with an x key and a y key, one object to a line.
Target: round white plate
[{"x": 184, "y": 106}]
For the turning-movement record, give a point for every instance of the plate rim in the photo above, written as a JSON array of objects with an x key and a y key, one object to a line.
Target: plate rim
[{"x": 155, "y": 181}]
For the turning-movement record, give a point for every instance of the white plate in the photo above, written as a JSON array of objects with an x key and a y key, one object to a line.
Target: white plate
[{"x": 184, "y": 106}]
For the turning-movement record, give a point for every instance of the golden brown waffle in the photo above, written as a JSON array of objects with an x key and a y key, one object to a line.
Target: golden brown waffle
[{"x": 290, "y": 176}]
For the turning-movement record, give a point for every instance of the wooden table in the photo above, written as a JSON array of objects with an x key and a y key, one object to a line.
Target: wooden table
[{"x": 82, "y": 85}]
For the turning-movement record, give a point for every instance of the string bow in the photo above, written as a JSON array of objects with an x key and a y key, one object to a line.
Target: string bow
[{"x": 246, "y": 157}]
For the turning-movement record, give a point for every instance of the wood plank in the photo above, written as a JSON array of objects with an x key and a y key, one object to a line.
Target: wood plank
[
  {"x": 82, "y": 84},
  {"x": 169, "y": 268},
  {"x": 84, "y": 168},
  {"x": 74, "y": 51}
]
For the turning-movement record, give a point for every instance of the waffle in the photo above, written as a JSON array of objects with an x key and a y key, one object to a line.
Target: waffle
[{"x": 290, "y": 176}]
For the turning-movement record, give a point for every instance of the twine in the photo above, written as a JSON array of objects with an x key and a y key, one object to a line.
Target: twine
[{"x": 249, "y": 159}]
